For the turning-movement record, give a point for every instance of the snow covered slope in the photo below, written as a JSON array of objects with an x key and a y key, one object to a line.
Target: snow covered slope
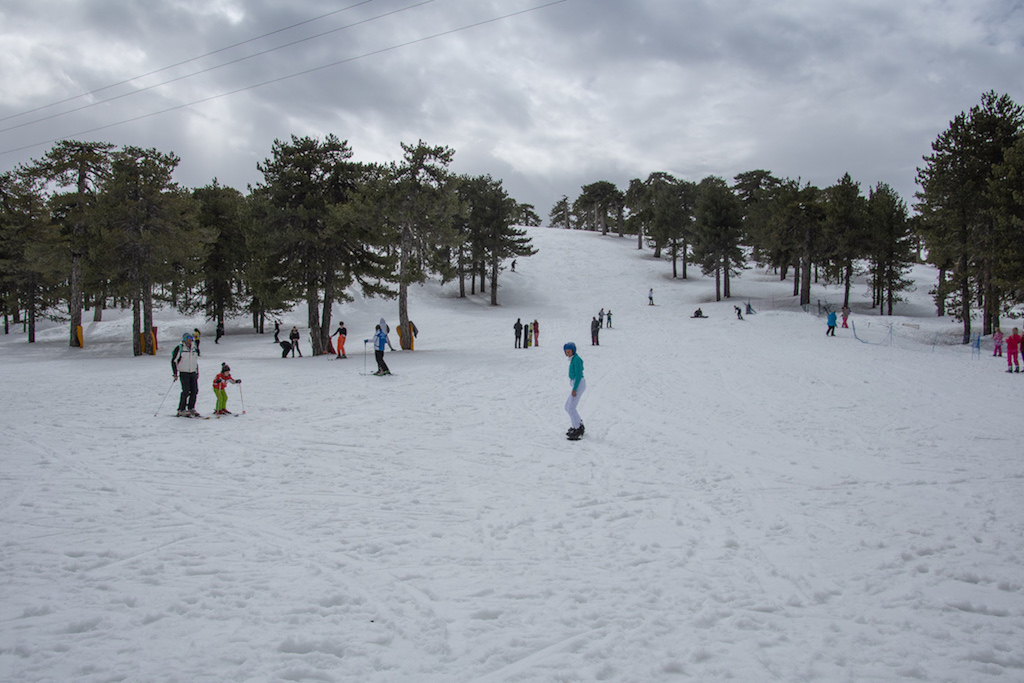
[{"x": 752, "y": 501}]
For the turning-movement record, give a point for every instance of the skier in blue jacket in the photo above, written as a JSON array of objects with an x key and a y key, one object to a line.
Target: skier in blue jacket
[
  {"x": 380, "y": 340},
  {"x": 831, "y": 331},
  {"x": 578, "y": 386}
]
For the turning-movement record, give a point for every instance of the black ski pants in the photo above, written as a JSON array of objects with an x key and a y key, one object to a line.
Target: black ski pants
[
  {"x": 189, "y": 390},
  {"x": 381, "y": 365}
]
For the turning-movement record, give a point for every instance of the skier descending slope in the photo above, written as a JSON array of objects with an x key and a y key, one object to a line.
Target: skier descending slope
[{"x": 579, "y": 385}]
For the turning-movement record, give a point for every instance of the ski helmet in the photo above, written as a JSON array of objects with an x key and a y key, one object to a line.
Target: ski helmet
[
  {"x": 186, "y": 338},
  {"x": 224, "y": 367},
  {"x": 569, "y": 346}
]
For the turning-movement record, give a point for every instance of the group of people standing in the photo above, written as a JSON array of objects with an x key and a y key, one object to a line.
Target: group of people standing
[
  {"x": 831, "y": 331},
  {"x": 526, "y": 335},
  {"x": 185, "y": 368},
  {"x": 597, "y": 324},
  {"x": 1013, "y": 347}
]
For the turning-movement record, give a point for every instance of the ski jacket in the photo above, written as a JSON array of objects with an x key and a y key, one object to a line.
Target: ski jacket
[
  {"x": 832, "y": 319},
  {"x": 294, "y": 335},
  {"x": 997, "y": 337},
  {"x": 222, "y": 379},
  {"x": 518, "y": 327},
  {"x": 1012, "y": 342},
  {"x": 342, "y": 331},
  {"x": 575, "y": 371},
  {"x": 380, "y": 340},
  {"x": 184, "y": 359}
]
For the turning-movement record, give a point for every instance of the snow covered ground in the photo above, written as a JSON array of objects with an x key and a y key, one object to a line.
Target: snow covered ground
[{"x": 752, "y": 501}]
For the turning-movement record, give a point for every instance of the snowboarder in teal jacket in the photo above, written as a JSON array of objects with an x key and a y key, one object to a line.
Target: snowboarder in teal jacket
[{"x": 578, "y": 386}]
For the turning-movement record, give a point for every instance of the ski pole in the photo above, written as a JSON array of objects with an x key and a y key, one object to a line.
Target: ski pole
[
  {"x": 365, "y": 342},
  {"x": 165, "y": 397},
  {"x": 240, "y": 396}
]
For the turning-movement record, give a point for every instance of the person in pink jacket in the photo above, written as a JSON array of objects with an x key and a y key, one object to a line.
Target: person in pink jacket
[
  {"x": 1012, "y": 345},
  {"x": 997, "y": 340}
]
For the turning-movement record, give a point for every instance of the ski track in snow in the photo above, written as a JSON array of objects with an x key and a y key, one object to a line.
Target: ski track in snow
[{"x": 751, "y": 501}]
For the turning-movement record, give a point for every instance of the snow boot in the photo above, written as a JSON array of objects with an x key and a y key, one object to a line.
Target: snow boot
[
  {"x": 193, "y": 413},
  {"x": 574, "y": 434},
  {"x": 183, "y": 413}
]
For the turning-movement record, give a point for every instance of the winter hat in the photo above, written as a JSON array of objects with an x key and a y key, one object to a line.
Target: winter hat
[
  {"x": 186, "y": 337},
  {"x": 569, "y": 346},
  {"x": 224, "y": 367}
]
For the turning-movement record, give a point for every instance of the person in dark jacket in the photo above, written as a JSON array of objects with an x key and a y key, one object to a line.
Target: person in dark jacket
[
  {"x": 595, "y": 328},
  {"x": 220, "y": 332},
  {"x": 295, "y": 337},
  {"x": 518, "y": 327}
]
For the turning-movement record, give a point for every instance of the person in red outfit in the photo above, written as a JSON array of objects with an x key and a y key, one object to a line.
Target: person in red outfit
[
  {"x": 1012, "y": 345},
  {"x": 220, "y": 384}
]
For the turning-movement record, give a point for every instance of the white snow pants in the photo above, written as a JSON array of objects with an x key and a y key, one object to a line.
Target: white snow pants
[{"x": 573, "y": 401}]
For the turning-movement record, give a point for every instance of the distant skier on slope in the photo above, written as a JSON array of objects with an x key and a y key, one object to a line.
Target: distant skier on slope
[{"x": 579, "y": 385}]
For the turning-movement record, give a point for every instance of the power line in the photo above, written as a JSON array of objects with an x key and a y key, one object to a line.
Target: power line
[
  {"x": 212, "y": 68},
  {"x": 183, "y": 62},
  {"x": 290, "y": 76}
]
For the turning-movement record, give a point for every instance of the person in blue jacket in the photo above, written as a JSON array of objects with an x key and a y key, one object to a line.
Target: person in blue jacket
[
  {"x": 578, "y": 386},
  {"x": 831, "y": 324},
  {"x": 380, "y": 340}
]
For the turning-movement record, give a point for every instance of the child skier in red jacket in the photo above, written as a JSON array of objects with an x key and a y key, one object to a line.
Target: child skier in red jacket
[{"x": 220, "y": 383}]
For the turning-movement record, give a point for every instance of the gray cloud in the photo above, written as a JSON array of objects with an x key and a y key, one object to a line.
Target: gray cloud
[{"x": 581, "y": 91}]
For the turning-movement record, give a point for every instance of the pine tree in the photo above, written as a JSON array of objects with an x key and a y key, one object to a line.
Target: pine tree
[
  {"x": 222, "y": 216},
  {"x": 307, "y": 249},
  {"x": 148, "y": 232},
  {"x": 891, "y": 247},
  {"x": 421, "y": 207},
  {"x": 491, "y": 225},
  {"x": 33, "y": 263},
  {"x": 718, "y": 224},
  {"x": 560, "y": 213},
  {"x": 81, "y": 166},
  {"x": 847, "y": 237},
  {"x": 958, "y": 224}
]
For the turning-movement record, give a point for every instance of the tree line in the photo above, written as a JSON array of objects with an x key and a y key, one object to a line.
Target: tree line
[
  {"x": 969, "y": 215},
  {"x": 89, "y": 224}
]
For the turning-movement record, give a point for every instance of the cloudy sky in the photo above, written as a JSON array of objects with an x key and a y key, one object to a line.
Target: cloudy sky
[{"x": 545, "y": 95}]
